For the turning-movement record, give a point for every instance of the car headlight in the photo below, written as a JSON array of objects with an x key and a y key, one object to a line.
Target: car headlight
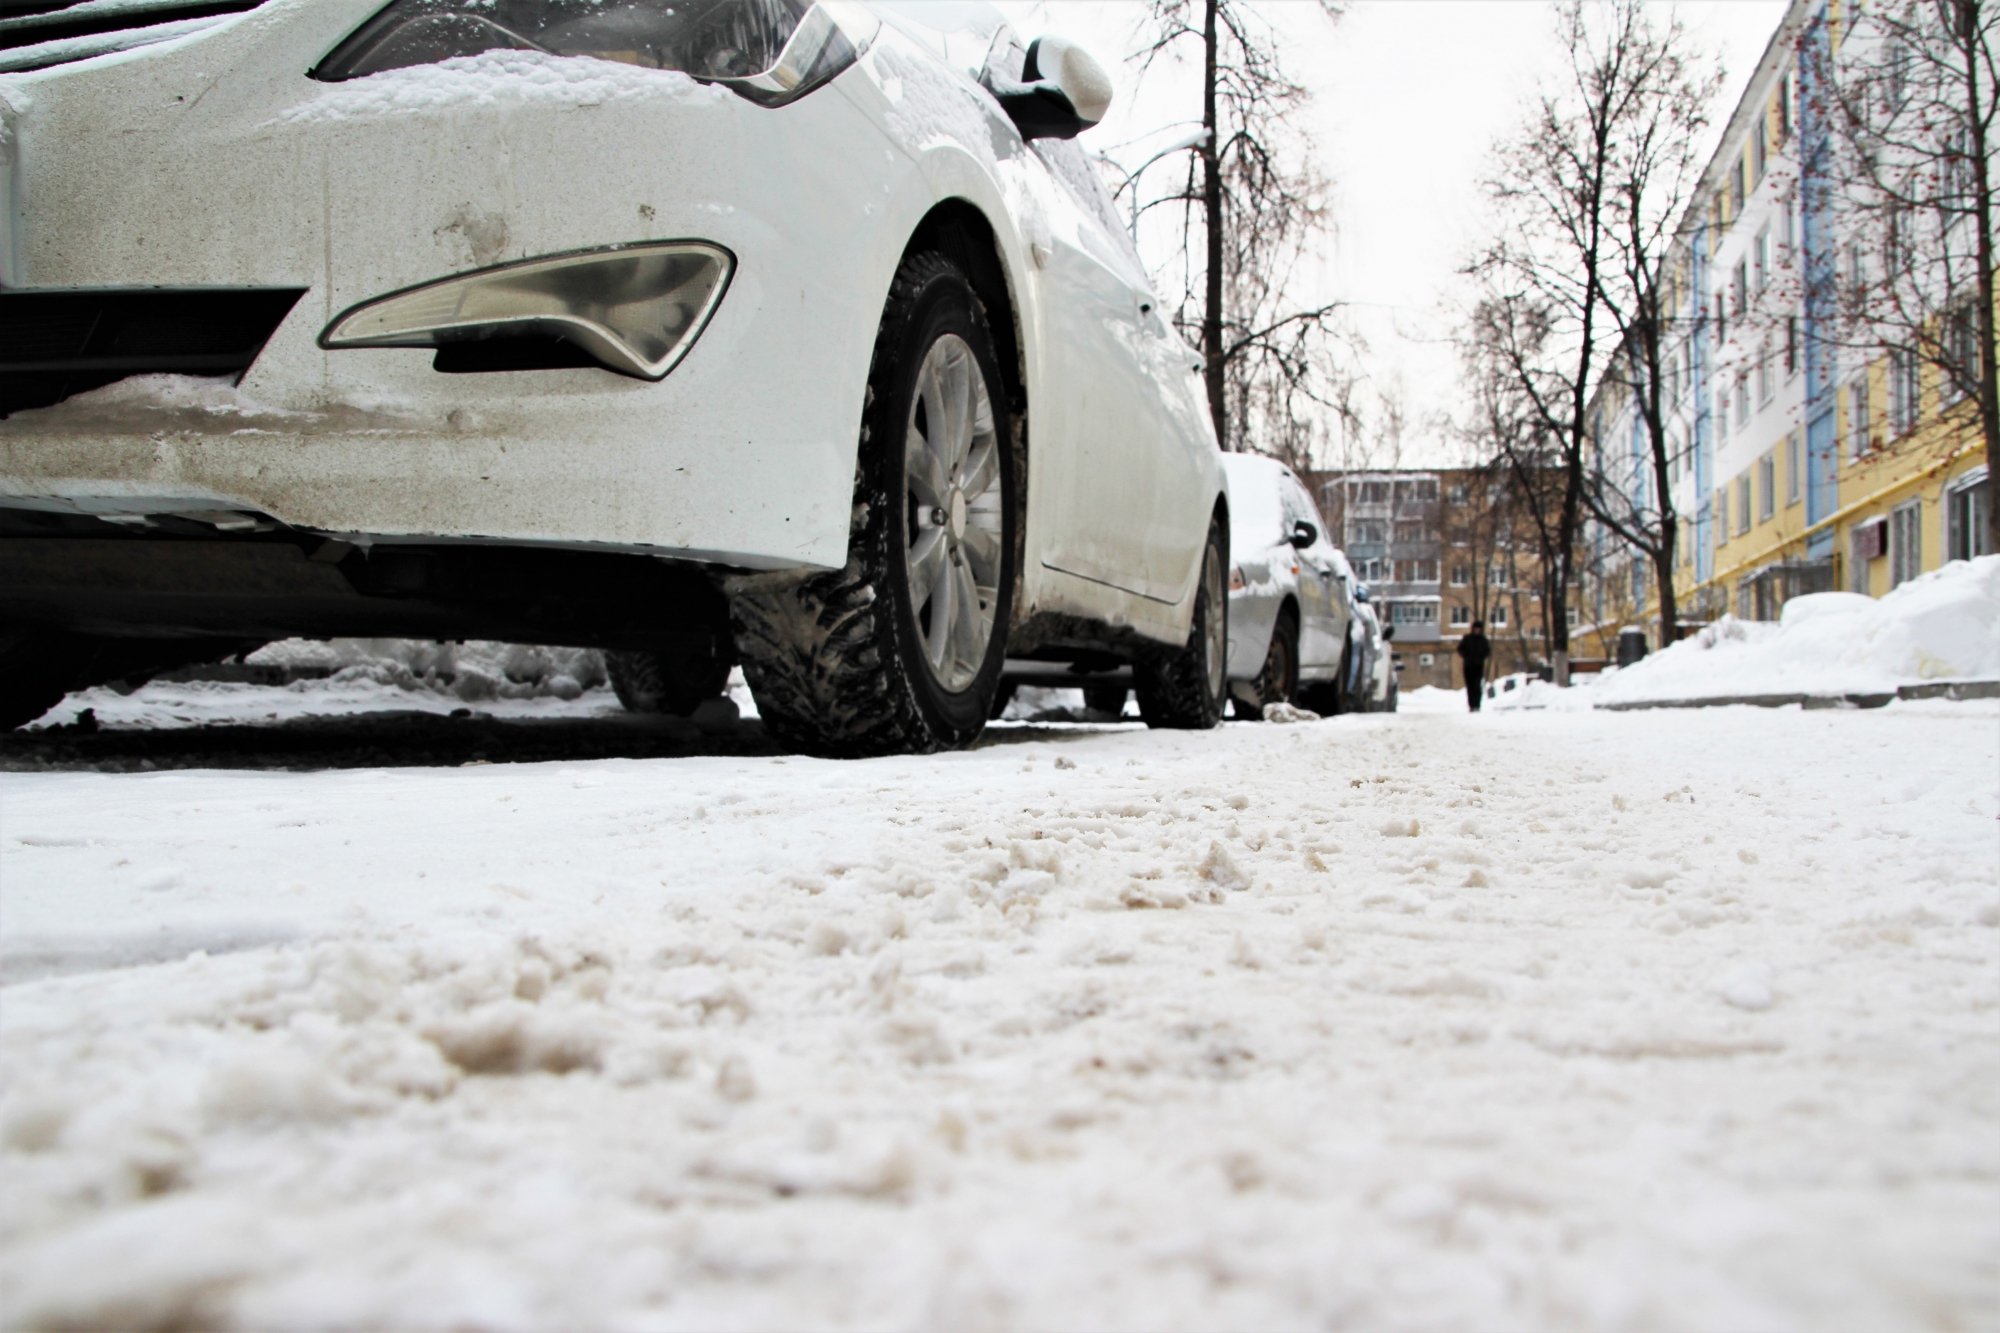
[
  {"x": 635, "y": 309},
  {"x": 770, "y": 51}
]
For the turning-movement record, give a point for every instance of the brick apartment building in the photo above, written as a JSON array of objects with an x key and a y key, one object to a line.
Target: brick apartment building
[{"x": 1439, "y": 549}]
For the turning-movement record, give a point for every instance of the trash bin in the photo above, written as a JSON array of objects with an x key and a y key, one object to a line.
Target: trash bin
[{"x": 1631, "y": 645}]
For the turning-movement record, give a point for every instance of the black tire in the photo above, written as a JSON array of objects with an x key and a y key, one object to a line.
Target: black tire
[
  {"x": 674, "y": 680},
  {"x": 1278, "y": 682},
  {"x": 1105, "y": 699},
  {"x": 1339, "y": 698},
  {"x": 838, "y": 661},
  {"x": 1185, "y": 688}
]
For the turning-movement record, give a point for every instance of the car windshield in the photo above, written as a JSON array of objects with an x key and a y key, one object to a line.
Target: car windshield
[{"x": 1256, "y": 509}]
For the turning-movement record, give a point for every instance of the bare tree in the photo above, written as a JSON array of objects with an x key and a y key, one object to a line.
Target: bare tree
[
  {"x": 1907, "y": 171},
  {"x": 1269, "y": 364},
  {"x": 1656, "y": 170},
  {"x": 1535, "y": 481},
  {"x": 1585, "y": 194}
]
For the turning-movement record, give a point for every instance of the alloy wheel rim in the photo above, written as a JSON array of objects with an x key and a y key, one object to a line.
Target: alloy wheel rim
[{"x": 952, "y": 496}]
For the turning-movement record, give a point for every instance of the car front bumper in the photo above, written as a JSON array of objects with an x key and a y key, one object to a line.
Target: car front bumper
[{"x": 214, "y": 162}]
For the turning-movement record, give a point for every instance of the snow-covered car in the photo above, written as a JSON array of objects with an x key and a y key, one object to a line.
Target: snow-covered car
[
  {"x": 1291, "y": 612},
  {"x": 765, "y": 329}
]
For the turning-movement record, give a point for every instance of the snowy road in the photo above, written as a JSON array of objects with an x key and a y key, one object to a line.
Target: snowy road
[{"x": 1528, "y": 1020}]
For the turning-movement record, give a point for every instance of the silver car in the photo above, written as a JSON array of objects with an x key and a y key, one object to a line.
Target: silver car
[{"x": 1291, "y": 608}]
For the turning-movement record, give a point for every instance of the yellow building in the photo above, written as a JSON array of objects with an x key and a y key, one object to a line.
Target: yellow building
[{"x": 1806, "y": 457}]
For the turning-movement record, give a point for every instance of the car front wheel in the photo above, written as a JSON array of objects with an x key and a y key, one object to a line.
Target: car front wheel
[{"x": 901, "y": 650}]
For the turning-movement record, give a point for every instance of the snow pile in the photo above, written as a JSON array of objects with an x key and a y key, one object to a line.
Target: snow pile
[
  {"x": 474, "y": 670},
  {"x": 1944, "y": 625}
]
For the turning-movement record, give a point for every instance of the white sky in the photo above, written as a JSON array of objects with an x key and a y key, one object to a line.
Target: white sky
[{"x": 1409, "y": 97}]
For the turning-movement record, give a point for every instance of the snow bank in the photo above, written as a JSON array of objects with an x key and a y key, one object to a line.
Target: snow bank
[{"x": 1944, "y": 625}]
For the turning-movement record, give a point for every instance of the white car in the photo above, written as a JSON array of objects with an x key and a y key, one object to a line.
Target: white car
[
  {"x": 1291, "y": 609},
  {"x": 784, "y": 330}
]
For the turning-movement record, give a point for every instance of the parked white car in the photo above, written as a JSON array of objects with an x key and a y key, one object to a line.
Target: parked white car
[
  {"x": 784, "y": 330},
  {"x": 1291, "y": 612}
]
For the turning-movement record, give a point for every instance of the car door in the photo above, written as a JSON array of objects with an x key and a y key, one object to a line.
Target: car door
[
  {"x": 1322, "y": 619},
  {"x": 1127, "y": 491}
]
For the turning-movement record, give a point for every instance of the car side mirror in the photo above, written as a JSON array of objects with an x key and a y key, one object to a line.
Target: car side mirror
[
  {"x": 1304, "y": 534},
  {"x": 1065, "y": 94}
]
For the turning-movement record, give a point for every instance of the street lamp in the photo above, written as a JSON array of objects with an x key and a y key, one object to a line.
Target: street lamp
[{"x": 1192, "y": 139}]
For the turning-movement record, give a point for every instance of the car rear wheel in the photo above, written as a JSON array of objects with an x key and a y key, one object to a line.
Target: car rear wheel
[
  {"x": 901, "y": 650},
  {"x": 674, "y": 680},
  {"x": 1186, "y": 688}
]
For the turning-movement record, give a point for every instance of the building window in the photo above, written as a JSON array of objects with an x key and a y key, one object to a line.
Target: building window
[
  {"x": 1867, "y": 542},
  {"x": 1739, "y": 289},
  {"x": 1461, "y": 615},
  {"x": 1743, "y": 504},
  {"x": 1764, "y": 377},
  {"x": 1791, "y": 346},
  {"x": 1496, "y": 616},
  {"x": 1736, "y": 190},
  {"x": 1785, "y": 109},
  {"x": 1763, "y": 270},
  {"x": 1856, "y": 272},
  {"x": 1410, "y": 530},
  {"x": 1767, "y": 486},
  {"x": 1457, "y": 493},
  {"x": 1902, "y": 390},
  {"x": 1461, "y": 575},
  {"x": 1374, "y": 492},
  {"x": 1416, "y": 571},
  {"x": 1794, "y": 469},
  {"x": 1965, "y": 517},
  {"x": 1721, "y": 320},
  {"x": 1906, "y": 542},
  {"x": 1370, "y": 534},
  {"x": 1413, "y": 613},
  {"x": 1757, "y": 150},
  {"x": 1742, "y": 398},
  {"x": 1421, "y": 489},
  {"x": 1961, "y": 353},
  {"x": 1499, "y": 576},
  {"x": 1857, "y": 417}
]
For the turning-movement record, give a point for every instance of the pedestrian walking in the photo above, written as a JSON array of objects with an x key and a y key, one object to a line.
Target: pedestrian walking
[{"x": 1473, "y": 650}]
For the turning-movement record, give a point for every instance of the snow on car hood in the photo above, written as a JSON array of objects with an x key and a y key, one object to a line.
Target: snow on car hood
[{"x": 494, "y": 78}]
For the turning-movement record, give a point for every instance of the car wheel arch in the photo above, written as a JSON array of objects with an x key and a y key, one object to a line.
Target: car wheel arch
[{"x": 959, "y": 230}]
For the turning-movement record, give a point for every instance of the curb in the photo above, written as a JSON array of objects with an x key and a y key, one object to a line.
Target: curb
[{"x": 1944, "y": 689}]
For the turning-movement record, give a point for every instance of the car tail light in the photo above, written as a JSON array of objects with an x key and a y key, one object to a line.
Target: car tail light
[
  {"x": 635, "y": 309},
  {"x": 769, "y": 51}
]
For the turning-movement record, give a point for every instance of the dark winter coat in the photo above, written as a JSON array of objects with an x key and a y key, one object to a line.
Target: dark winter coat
[{"x": 1475, "y": 650}]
